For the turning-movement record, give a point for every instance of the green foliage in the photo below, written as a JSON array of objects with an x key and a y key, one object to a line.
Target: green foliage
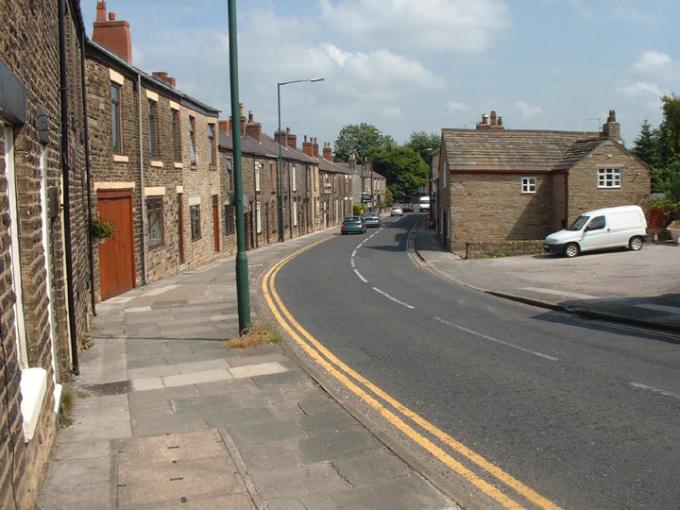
[
  {"x": 363, "y": 140},
  {"x": 660, "y": 148},
  {"x": 359, "y": 209},
  {"x": 66, "y": 408},
  {"x": 102, "y": 228},
  {"x": 404, "y": 170},
  {"x": 389, "y": 200},
  {"x": 424, "y": 144},
  {"x": 496, "y": 254},
  {"x": 670, "y": 208}
]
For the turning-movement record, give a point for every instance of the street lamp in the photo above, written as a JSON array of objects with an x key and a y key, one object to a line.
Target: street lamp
[{"x": 279, "y": 163}]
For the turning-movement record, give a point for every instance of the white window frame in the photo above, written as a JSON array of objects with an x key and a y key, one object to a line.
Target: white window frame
[
  {"x": 293, "y": 180},
  {"x": 295, "y": 213},
  {"x": 529, "y": 185},
  {"x": 258, "y": 166},
  {"x": 258, "y": 217},
  {"x": 608, "y": 178}
]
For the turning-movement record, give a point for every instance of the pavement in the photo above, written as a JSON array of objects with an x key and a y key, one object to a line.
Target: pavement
[
  {"x": 164, "y": 416},
  {"x": 636, "y": 288}
]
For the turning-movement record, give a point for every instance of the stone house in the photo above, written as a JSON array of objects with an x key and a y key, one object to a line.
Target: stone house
[
  {"x": 45, "y": 285},
  {"x": 336, "y": 186},
  {"x": 367, "y": 186},
  {"x": 154, "y": 162},
  {"x": 501, "y": 189}
]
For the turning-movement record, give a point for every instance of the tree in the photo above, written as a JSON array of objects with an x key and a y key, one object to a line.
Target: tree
[
  {"x": 424, "y": 144},
  {"x": 363, "y": 140},
  {"x": 404, "y": 170},
  {"x": 645, "y": 145}
]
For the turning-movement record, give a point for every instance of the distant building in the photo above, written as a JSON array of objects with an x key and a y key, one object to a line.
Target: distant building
[{"x": 507, "y": 189}]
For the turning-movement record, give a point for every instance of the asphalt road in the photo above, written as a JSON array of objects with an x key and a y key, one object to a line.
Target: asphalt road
[{"x": 585, "y": 413}]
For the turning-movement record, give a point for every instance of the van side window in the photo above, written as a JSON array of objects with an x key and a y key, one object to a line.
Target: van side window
[{"x": 597, "y": 223}]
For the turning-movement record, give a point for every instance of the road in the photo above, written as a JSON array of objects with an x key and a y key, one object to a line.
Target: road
[{"x": 586, "y": 414}]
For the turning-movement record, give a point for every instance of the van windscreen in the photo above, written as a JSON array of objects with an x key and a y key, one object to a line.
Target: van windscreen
[{"x": 579, "y": 223}]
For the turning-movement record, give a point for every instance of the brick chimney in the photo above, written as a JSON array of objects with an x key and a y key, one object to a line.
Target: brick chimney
[
  {"x": 611, "y": 128},
  {"x": 490, "y": 121},
  {"x": 352, "y": 161},
  {"x": 168, "y": 80},
  {"x": 113, "y": 35},
  {"x": 253, "y": 129},
  {"x": 316, "y": 147},
  {"x": 225, "y": 126},
  {"x": 291, "y": 139},
  {"x": 327, "y": 151},
  {"x": 308, "y": 146},
  {"x": 281, "y": 137},
  {"x": 242, "y": 116}
]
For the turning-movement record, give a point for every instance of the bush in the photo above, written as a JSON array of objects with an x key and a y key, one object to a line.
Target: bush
[
  {"x": 671, "y": 209},
  {"x": 359, "y": 209},
  {"x": 102, "y": 228}
]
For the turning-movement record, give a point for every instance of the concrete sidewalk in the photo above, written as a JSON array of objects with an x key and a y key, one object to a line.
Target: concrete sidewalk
[
  {"x": 166, "y": 417},
  {"x": 638, "y": 288}
]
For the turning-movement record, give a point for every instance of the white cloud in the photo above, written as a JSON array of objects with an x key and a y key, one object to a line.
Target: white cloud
[
  {"x": 442, "y": 25},
  {"x": 641, "y": 87},
  {"x": 457, "y": 106},
  {"x": 652, "y": 61},
  {"x": 528, "y": 110}
]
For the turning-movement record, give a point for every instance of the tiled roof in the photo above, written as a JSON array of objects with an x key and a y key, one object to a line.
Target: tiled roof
[
  {"x": 248, "y": 145},
  {"x": 508, "y": 150},
  {"x": 577, "y": 152}
]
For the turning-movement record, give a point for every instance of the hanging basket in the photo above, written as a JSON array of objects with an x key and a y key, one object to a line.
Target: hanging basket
[{"x": 102, "y": 229}]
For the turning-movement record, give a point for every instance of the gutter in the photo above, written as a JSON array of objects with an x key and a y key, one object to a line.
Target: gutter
[{"x": 65, "y": 169}]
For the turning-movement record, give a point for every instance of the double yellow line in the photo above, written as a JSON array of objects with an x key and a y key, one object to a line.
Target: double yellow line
[{"x": 397, "y": 414}]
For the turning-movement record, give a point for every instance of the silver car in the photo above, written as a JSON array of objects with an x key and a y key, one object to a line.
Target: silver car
[{"x": 371, "y": 219}]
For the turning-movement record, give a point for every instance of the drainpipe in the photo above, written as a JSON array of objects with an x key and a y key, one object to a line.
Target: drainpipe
[
  {"x": 65, "y": 169},
  {"x": 141, "y": 175},
  {"x": 88, "y": 174}
]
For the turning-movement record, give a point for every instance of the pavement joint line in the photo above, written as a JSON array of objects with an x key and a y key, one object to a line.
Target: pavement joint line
[
  {"x": 665, "y": 393},
  {"x": 361, "y": 277},
  {"x": 392, "y": 298},
  {"x": 559, "y": 293},
  {"x": 315, "y": 350},
  {"x": 496, "y": 340}
]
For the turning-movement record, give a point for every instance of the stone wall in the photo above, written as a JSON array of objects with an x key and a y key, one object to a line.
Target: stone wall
[
  {"x": 583, "y": 193},
  {"x": 492, "y": 207},
  {"x": 474, "y": 250},
  {"x": 34, "y": 62}
]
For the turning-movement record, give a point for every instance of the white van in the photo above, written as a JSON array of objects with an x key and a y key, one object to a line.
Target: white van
[
  {"x": 424, "y": 203},
  {"x": 612, "y": 227}
]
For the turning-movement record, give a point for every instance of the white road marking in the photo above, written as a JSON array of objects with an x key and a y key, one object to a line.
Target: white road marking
[
  {"x": 383, "y": 293},
  {"x": 352, "y": 263},
  {"x": 354, "y": 253},
  {"x": 661, "y": 308},
  {"x": 560, "y": 293},
  {"x": 665, "y": 393},
  {"x": 496, "y": 340},
  {"x": 361, "y": 276}
]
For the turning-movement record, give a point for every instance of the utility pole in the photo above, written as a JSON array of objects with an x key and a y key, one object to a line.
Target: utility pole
[{"x": 242, "y": 290}]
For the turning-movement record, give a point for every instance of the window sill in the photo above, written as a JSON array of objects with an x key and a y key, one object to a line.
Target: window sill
[
  {"x": 179, "y": 165},
  {"x": 156, "y": 163},
  {"x": 119, "y": 158},
  {"x": 609, "y": 187},
  {"x": 33, "y": 388},
  {"x": 193, "y": 166}
]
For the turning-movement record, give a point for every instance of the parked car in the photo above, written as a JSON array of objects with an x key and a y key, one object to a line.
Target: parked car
[
  {"x": 407, "y": 207},
  {"x": 396, "y": 211},
  {"x": 599, "y": 229},
  {"x": 352, "y": 225},
  {"x": 371, "y": 219}
]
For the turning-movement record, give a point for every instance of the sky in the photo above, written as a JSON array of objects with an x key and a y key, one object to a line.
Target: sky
[{"x": 407, "y": 65}]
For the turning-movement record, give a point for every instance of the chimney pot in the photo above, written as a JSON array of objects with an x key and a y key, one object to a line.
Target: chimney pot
[
  {"x": 101, "y": 11},
  {"x": 112, "y": 16},
  {"x": 250, "y": 116},
  {"x": 112, "y": 34}
]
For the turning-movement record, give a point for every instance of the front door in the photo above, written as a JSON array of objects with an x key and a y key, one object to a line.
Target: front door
[
  {"x": 180, "y": 228},
  {"x": 216, "y": 221},
  {"x": 116, "y": 255}
]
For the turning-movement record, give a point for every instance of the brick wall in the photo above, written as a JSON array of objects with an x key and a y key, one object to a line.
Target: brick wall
[
  {"x": 583, "y": 193},
  {"x": 34, "y": 61},
  {"x": 492, "y": 207}
]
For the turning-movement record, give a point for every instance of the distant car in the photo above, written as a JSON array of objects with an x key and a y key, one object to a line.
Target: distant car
[
  {"x": 407, "y": 207},
  {"x": 396, "y": 211},
  {"x": 371, "y": 219},
  {"x": 352, "y": 225}
]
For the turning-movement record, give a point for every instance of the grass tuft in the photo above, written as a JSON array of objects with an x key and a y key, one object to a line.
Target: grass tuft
[
  {"x": 66, "y": 408},
  {"x": 259, "y": 333}
]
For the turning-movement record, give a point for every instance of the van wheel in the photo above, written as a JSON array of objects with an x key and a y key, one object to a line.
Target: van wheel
[
  {"x": 635, "y": 243},
  {"x": 571, "y": 250}
]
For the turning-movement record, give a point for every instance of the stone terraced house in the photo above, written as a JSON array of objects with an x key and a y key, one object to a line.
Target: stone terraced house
[
  {"x": 505, "y": 190},
  {"x": 45, "y": 281},
  {"x": 154, "y": 158}
]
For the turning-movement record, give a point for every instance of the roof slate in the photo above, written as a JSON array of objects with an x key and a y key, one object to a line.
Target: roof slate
[{"x": 510, "y": 150}]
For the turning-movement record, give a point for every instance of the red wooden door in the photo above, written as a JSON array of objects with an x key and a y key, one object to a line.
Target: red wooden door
[
  {"x": 116, "y": 255},
  {"x": 216, "y": 221}
]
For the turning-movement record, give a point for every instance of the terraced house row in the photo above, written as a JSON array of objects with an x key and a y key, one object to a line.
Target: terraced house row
[{"x": 88, "y": 142}]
